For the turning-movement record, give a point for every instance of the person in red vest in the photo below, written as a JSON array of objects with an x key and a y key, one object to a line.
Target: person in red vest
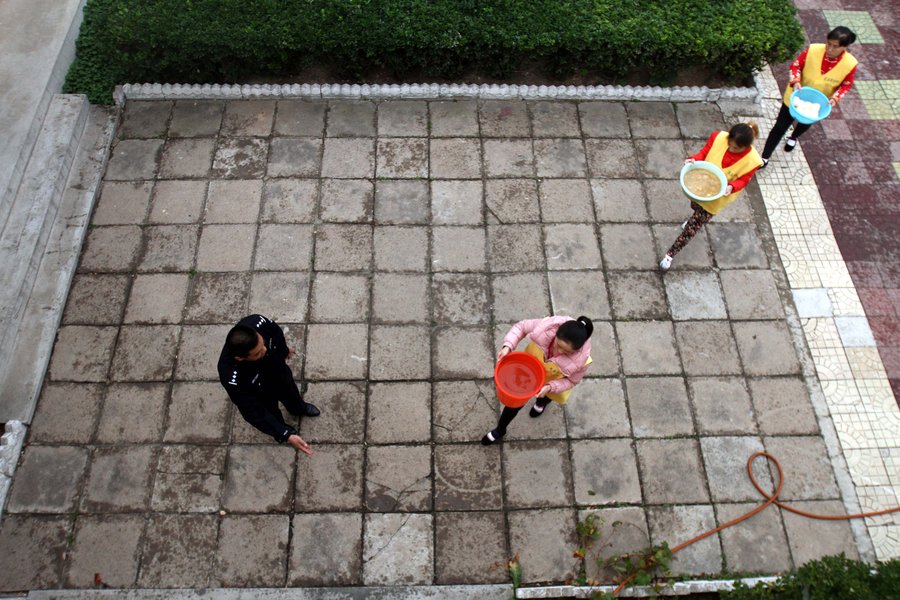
[
  {"x": 826, "y": 67},
  {"x": 733, "y": 152}
]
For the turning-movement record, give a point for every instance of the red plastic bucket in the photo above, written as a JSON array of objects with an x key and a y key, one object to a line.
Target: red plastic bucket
[{"x": 518, "y": 377}]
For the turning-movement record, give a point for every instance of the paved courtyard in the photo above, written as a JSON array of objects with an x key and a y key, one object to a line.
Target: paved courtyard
[{"x": 396, "y": 242}]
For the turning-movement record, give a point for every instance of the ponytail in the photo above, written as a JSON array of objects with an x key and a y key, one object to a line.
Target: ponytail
[
  {"x": 743, "y": 134},
  {"x": 576, "y": 332}
]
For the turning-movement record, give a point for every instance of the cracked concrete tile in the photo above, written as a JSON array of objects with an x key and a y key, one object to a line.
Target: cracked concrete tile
[
  {"x": 398, "y": 549},
  {"x": 389, "y": 489}
]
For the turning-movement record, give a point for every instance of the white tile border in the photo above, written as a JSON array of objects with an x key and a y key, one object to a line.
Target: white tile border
[{"x": 860, "y": 405}]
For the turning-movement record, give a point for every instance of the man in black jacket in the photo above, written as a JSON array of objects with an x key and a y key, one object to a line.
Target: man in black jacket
[{"x": 253, "y": 370}]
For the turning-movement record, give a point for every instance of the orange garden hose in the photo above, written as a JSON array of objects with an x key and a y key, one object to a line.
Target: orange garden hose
[{"x": 773, "y": 499}]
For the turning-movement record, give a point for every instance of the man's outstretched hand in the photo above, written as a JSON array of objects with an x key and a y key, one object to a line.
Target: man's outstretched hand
[{"x": 297, "y": 442}]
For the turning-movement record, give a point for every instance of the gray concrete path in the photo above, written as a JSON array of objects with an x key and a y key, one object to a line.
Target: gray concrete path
[
  {"x": 37, "y": 44},
  {"x": 396, "y": 242}
]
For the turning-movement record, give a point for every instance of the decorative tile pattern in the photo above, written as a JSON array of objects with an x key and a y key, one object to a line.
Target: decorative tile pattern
[
  {"x": 876, "y": 394},
  {"x": 784, "y": 220},
  {"x": 833, "y": 273},
  {"x": 891, "y": 458},
  {"x": 867, "y": 467},
  {"x": 814, "y": 222},
  {"x": 857, "y": 20},
  {"x": 845, "y": 302},
  {"x": 880, "y": 98},
  {"x": 865, "y": 363},
  {"x": 798, "y": 264},
  {"x": 854, "y": 430},
  {"x": 886, "y": 540},
  {"x": 874, "y": 498},
  {"x": 831, "y": 363},
  {"x": 821, "y": 333},
  {"x": 847, "y": 361},
  {"x": 842, "y": 395}
]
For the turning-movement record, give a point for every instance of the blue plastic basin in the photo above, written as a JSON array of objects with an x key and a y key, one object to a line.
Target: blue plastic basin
[{"x": 810, "y": 95}]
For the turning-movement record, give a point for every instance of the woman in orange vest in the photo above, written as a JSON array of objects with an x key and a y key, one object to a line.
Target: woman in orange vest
[
  {"x": 733, "y": 152},
  {"x": 826, "y": 67}
]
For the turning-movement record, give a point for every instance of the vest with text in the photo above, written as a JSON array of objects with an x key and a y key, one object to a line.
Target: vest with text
[
  {"x": 744, "y": 165},
  {"x": 812, "y": 75}
]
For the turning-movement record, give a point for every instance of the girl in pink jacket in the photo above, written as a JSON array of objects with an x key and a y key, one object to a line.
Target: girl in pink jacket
[{"x": 562, "y": 344}]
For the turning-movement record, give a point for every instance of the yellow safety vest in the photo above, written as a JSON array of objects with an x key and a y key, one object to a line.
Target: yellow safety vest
[
  {"x": 812, "y": 76},
  {"x": 750, "y": 161},
  {"x": 552, "y": 371}
]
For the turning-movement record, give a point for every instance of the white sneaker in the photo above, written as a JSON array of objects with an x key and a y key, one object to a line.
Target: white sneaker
[
  {"x": 665, "y": 263},
  {"x": 683, "y": 225}
]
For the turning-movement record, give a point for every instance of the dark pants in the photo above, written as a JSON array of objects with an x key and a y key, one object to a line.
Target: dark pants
[
  {"x": 508, "y": 414},
  {"x": 782, "y": 122},
  {"x": 283, "y": 389}
]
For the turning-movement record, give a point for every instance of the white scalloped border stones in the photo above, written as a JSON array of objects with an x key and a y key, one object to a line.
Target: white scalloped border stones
[
  {"x": 679, "y": 588},
  {"x": 10, "y": 448},
  {"x": 179, "y": 91}
]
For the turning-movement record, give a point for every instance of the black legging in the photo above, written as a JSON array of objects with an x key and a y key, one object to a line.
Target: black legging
[
  {"x": 508, "y": 414},
  {"x": 780, "y": 127}
]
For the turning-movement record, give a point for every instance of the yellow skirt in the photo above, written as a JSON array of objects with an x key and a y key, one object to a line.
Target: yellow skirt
[{"x": 551, "y": 372}]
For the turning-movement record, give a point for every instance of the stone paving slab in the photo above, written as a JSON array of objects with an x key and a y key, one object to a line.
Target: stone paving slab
[
  {"x": 396, "y": 264},
  {"x": 761, "y": 546},
  {"x": 682, "y": 522}
]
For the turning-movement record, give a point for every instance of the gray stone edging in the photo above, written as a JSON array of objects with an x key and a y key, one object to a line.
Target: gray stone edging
[
  {"x": 431, "y": 592},
  {"x": 10, "y": 447},
  {"x": 679, "y": 588},
  {"x": 448, "y": 592},
  {"x": 178, "y": 91}
]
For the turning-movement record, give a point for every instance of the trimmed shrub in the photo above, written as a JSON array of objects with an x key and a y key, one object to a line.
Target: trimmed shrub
[
  {"x": 215, "y": 41},
  {"x": 829, "y": 578}
]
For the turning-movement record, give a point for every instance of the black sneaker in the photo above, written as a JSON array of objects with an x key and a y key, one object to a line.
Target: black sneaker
[
  {"x": 790, "y": 144},
  {"x": 490, "y": 437},
  {"x": 310, "y": 410},
  {"x": 538, "y": 408}
]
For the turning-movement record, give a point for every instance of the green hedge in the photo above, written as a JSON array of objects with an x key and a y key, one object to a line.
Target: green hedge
[
  {"x": 223, "y": 41},
  {"x": 829, "y": 578}
]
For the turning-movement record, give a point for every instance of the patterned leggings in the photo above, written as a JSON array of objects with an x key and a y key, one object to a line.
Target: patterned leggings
[{"x": 693, "y": 226}]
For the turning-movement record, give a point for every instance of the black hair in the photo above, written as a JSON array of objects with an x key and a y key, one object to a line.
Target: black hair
[
  {"x": 576, "y": 332},
  {"x": 844, "y": 36},
  {"x": 743, "y": 134},
  {"x": 241, "y": 340}
]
